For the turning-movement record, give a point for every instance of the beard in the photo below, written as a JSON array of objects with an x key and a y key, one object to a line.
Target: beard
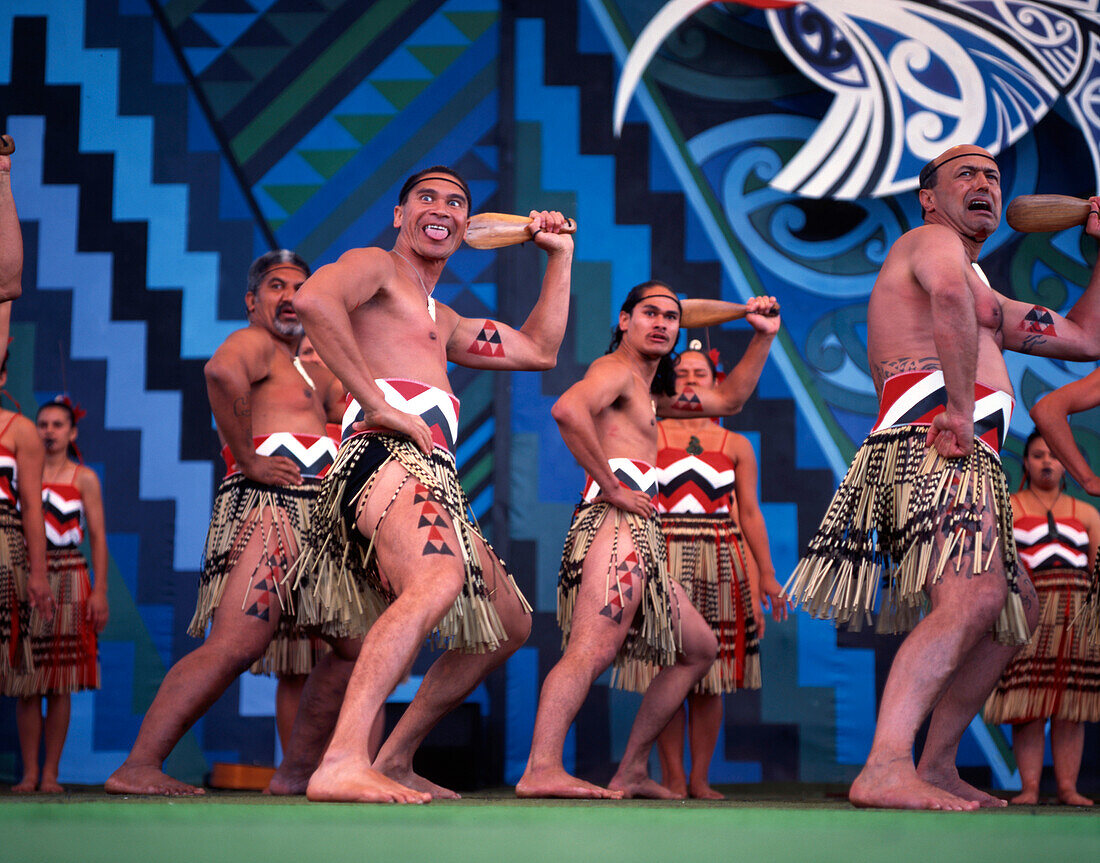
[{"x": 288, "y": 328}]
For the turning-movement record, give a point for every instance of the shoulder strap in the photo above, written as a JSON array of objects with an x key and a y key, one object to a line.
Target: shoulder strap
[
  {"x": 4, "y": 431},
  {"x": 662, "y": 438}
]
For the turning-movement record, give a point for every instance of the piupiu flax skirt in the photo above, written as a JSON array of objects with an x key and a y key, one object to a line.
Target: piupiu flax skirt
[
  {"x": 651, "y": 638},
  {"x": 63, "y": 649},
  {"x": 338, "y": 586},
  {"x": 15, "y": 646},
  {"x": 1056, "y": 675},
  {"x": 901, "y": 514}
]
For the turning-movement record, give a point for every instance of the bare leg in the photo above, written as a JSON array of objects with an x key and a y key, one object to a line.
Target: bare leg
[
  {"x": 594, "y": 640},
  {"x": 704, "y": 723},
  {"x": 964, "y": 606},
  {"x": 288, "y": 692},
  {"x": 977, "y": 674},
  {"x": 450, "y": 679},
  {"x": 1027, "y": 745},
  {"x": 670, "y": 753},
  {"x": 58, "y": 709},
  {"x": 318, "y": 708},
  {"x": 664, "y": 697},
  {"x": 426, "y": 582},
  {"x": 28, "y": 724},
  {"x": 193, "y": 684},
  {"x": 1067, "y": 742}
]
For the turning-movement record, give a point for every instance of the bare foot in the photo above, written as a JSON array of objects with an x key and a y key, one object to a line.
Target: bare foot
[
  {"x": 136, "y": 779},
  {"x": 26, "y": 785},
  {"x": 895, "y": 785},
  {"x": 642, "y": 787},
  {"x": 50, "y": 786},
  {"x": 413, "y": 780},
  {"x": 555, "y": 782},
  {"x": 286, "y": 783},
  {"x": 703, "y": 791},
  {"x": 1029, "y": 797},
  {"x": 350, "y": 780},
  {"x": 1071, "y": 797},
  {"x": 949, "y": 780},
  {"x": 676, "y": 784}
]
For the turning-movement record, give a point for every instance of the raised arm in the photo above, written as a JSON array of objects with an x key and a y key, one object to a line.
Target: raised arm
[
  {"x": 88, "y": 484},
  {"x": 243, "y": 359},
  {"x": 1037, "y": 330},
  {"x": 752, "y": 523},
  {"x": 1051, "y": 417},
  {"x": 324, "y": 305},
  {"x": 534, "y": 345},
  {"x": 728, "y": 397},
  {"x": 11, "y": 239},
  {"x": 575, "y": 412}
]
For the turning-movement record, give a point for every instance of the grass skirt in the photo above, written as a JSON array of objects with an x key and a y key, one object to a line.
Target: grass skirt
[
  {"x": 15, "y": 646},
  {"x": 706, "y": 555},
  {"x": 886, "y": 523},
  {"x": 240, "y": 507},
  {"x": 338, "y": 586},
  {"x": 651, "y": 638},
  {"x": 63, "y": 649},
  {"x": 1057, "y": 673}
]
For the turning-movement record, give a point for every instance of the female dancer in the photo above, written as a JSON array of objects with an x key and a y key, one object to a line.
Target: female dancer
[
  {"x": 707, "y": 479},
  {"x": 64, "y": 649},
  {"x": 1055, "y": 675}
]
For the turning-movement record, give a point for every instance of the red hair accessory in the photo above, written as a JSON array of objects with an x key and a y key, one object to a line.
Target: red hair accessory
[{"x": 78, "y": 412}]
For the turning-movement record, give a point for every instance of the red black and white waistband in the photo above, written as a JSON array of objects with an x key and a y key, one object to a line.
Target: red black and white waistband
[
  {"x": 437, "y": 408},
  {"x": 631, "y": 473},
  {"x": 313, "y": 454}
]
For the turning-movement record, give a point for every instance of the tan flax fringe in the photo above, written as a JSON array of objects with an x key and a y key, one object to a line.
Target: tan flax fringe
[
  {"x": 886, "y": 523},
  {"x": 1057, "y": 673},
  {"x": 64, "y": 648},
  {"x": 651, "y": 637},
  {"x": 241, "y": 507},
  {"x": 337, "y": 583},
  {"x": 1088, "y": 618},
  {"x": 15, "y": 645}
]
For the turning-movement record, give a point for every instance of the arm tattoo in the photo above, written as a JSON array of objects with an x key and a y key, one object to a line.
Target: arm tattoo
[
  {"x": 242, "y": 407},
  {"x": 1040, "y": 321},
  {"x": 687, "y": 401},
  {"x": 487, "y": 343},
  {"x": 1032, "y": 343}
]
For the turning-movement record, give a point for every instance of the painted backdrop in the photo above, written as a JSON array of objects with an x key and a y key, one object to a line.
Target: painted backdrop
[{"x": 728, "y": 148}]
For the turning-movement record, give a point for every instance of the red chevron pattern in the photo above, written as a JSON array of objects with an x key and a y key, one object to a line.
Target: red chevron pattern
[
  {"x": 64, "y": 514},
  {"x": 1042, "y": 545},
  {"x": 437, "y": 408},
  {"x": 914, "y": 398},
  {"x": 8, "y": 476},
  {"x": 631, "y": 473},
  {"x": 313, "y": 454},
  {"x": 699, "y": 484}
]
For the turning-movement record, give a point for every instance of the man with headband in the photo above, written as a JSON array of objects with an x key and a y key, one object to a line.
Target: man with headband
[
  {"x": 924, "y": 505},
  {"x": 270, "y": 412},
  {"x": 395, "y": 556},
  {"x": 615, "y": 599}
]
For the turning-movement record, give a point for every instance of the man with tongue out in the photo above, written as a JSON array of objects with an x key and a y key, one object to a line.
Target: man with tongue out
[
  {"x": 395, "y": 556},
  {"x": 924, "y": 506}
]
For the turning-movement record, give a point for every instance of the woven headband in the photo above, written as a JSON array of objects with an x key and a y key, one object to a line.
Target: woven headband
[{"x": 934, "y": 166}]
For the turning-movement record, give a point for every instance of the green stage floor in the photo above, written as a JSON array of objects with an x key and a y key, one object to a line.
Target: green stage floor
[{"x": 761, "y": 824}]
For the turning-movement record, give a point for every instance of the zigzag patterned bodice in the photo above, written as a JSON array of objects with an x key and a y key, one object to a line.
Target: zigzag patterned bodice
[
  {"x": 313, "y": 454},
  {"x": 1046, "y": 542},
  {"x": 437, "y": 408},
  {"x": 698, "y": 484},
  {"x": 63, "y": 510},
  {"x": 9, "y": 477}
]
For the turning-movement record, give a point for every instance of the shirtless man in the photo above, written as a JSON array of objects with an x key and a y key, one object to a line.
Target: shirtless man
[
  {"x": 399, "y": 556},
  {"x": 271, "y": 415},
  {"x": 615, "y": 600},
  {"x": 11, "y": 250},
  {"x": 936, "y": 332}
]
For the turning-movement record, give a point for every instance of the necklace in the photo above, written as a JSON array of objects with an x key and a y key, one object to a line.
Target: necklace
[
  {"x": 1048, "y": 506},
  {"x": 423, "y": 287}
]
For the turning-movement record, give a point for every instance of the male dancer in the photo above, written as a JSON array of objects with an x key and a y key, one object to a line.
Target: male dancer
[
  {"x": 615, "y": 600},
  {"x": 925, "y": 498},
  {"x": 271, "y": 415},
  {"x": 397, "y": 553}
]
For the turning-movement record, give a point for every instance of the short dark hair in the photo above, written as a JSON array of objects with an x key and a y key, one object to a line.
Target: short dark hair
[
  {"x": 271, "y": 259},
  {"x": 435, "y": 169},
  {"x": 664, "y": 380}
]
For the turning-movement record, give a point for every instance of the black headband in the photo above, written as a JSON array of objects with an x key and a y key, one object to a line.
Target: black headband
[
  {"x": 668, "y": 296},
  {"x": 933, "y": 166},
  {"x": 437, "y": 177}
]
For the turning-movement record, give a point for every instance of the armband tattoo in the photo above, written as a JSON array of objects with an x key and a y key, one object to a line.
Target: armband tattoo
[{"x": 487, "y": 343}]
